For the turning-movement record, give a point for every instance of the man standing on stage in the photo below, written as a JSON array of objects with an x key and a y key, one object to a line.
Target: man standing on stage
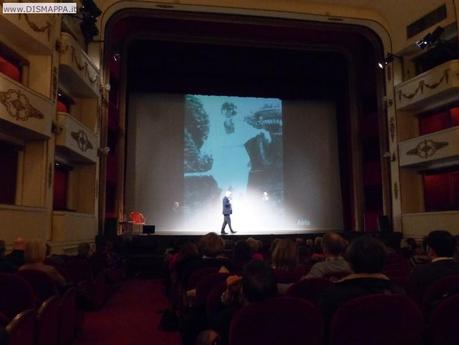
[{"x": 227, "y": 211}]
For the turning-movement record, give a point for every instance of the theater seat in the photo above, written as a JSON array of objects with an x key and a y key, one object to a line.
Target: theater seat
[
  {"x": 21, "y": 330},
  {"x": 439, "y": 291},
  {"x": 206, "y": 284},
  {"x": 277, "y": 321},
  {"x": 68, "y": 317},
  {"x": 10, "y": 70},
  {"x": 309, "y": 289},
  {"x": 48, "y": 322},
  {"x": 42, "y": 284},
  {"x": 444, "y": 322},
  {"x": 377, "y": 320},
  {"x": 16, "y": 295}
]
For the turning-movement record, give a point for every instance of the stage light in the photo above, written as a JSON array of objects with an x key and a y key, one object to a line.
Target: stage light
[
  {"x": 388, "y": 59},
  {"x": 116, "y": 57},
  {"x": 431, "y": 38}
]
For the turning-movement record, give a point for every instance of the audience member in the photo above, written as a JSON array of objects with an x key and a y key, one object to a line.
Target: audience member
[
  {"x": 242, "y": 254},
  {"x": 16, "y": 257},
  {"x": 285, "y": 262},
  {"x": 441, "y": 246},
  {"x": 256, "y": 246},
  {"x": 211, "y": 248},
  {"x": 35, "y": 255},
  {"x": 366, "y": 256},
  {"x": 333, "y": 247},
  {"x": 256, "y": 285},
  {"x": 84, "y": 250},
  {"x": 5, "y": 265}
]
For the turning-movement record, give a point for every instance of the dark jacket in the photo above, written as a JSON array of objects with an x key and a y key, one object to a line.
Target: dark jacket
[
  {"x": 425, "y": 275},
  {"x": 347, "y": 289},
  {"x": 227, "y": 209}
]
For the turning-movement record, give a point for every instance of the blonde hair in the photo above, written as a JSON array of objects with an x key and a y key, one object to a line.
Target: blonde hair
[
  {"x": 35, "y": 251},
  {"x": 285, "y": 254}
]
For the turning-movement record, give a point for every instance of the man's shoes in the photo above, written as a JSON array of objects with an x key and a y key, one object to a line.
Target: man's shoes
[
  {"x": 233, "y": 232},
  {"x": 223, "y": 232}
]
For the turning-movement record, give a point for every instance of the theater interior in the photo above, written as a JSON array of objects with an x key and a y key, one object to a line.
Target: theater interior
[{"x": 332, "y": 124}]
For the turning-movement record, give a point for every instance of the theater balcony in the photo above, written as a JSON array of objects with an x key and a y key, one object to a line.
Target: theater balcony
[
  {"x": 31, "y": 32},
  {"x": 75, "y": 140},
  {"x": 77, "y": 73},
  {"x": 23, "y": 111},
  {"x": 438, "y": 149},
  {"x": 421, "y": 224},
  {"x": 71, "y": 228},
  {"x": 431, "y": 89}
]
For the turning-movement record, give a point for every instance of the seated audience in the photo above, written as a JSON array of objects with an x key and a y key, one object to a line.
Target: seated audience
[
  {"x": 257, "y": 284},
  {"x": 211, "y": 248},
  {"x": 441, "y": 246},
  {"x": 333, "y": 247},
  {"x": 16, "y": 257},
  {"x": 285, "y": 263},
  {"x": 242, "y": 254},
  {"x": 5, "y": 265},
  {"x": 366, "y": 256},
  {"x": 84, "y": 250},
  {"x": 256, "y": 247},
  {"x": 35, "y": 255}
]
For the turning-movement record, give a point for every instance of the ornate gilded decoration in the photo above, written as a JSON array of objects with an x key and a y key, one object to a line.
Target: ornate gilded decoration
[
  {"x": 82, "y": 66},
  {"x": 18, "y": 105},
  {"x": 82, "y": 140},
  {"x": 392, "y": 128},
  {"x": 422, "y": 84},
  {"x": 427, "y": 148},
  {"x": 35, "y": 27}
]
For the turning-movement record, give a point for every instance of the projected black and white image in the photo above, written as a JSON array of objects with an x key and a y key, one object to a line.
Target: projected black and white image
[{"x": 235, "y": 144}]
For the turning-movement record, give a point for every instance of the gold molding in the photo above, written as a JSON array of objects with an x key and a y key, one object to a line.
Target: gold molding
[
  {"x": 427, "y": 148},
  {"x": 395, "y": 190},
  {"x": 18, "y": 105},
  {"x": 422, "y": 83},
  {"x": 392, "y": 128},
  {"x": 82, "y": 140}
]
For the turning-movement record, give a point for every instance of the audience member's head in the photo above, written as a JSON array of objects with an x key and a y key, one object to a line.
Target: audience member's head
[
  {"x": 285, "y": 254},
  {"x": 332, "y": 244},
  {"x": 35, "y": 252},
  {"x": 189, "y": 250},
  {"x": 242, "y": 254},
  {"x": 256, "y": 245},
  {"x": 366, "y": 255},
  {"x": 258, "y": 282},
  {"x": 211, "y": 245},
  {"x": 19, "y": 244},
  {"x": 84, "y": 249},
  {"x": 440, "y": 243},
  {"x": 318, "y": 244},
  {"x": 2, "y": 248}
]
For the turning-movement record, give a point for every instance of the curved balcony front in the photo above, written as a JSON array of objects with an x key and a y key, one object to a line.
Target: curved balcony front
[
  {"x": 75, "y": 141},
  {"x": 23, "y": 111},
  {"x": 77, "y": 73},
  {"x": 431, "y": 89}
]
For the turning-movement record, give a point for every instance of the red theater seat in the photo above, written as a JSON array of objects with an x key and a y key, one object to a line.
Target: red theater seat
[
  {"x": 377, "y": 320},
  {"x": 277, "y": 321},
  {"x": 206, "y": 284},
  {"x": 444, "y": 322},
  {"x": 21, "y": 330},
  {"x": 16, "y": 295},
  {"x": 62, "y": 107},
  {"x": 68, "y": 317},
  {"x": 309, "y": 289},
  {"x": 439, "y": 291},
  {"x": 42, "y": 284},
  {"x": 10, "y": 70},
  {"x": 48, "y": 322}
]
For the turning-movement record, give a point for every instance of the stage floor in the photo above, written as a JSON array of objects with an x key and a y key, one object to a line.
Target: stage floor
[{"x": 243, "y": 232}]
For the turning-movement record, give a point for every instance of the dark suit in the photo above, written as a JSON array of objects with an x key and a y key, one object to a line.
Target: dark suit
[
  {"x": 425, "y": 275},
  {"x": 227, "y": 211}
]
